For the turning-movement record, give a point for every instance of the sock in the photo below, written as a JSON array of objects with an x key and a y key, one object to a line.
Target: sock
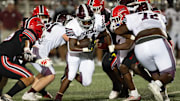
[
  {"x": 32, "y": 90},
  {"x": 16, "y": 88},
  {"x": 59, "y": 96},
  {"x": 159, "y": 83},
  {"x": 1, "y": 92},
  {"x": 43, "y": 92}
]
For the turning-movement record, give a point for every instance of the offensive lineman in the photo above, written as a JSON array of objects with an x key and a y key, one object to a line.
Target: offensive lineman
[{"x": 151, "y": 39}]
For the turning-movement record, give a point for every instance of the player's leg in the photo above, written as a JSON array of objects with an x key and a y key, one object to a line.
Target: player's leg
[
  {"x": 45, "y": 78},
  {"x": 15, "y": 71},
  {"x": 73, "y": 64},
  {"x": 154, "y": 59},
  {"x": 114, "y": 75},
  {"x": 3, "y": 82},
  {"x": 86, "y": 68},
  {"x": 127, "y": 63}
]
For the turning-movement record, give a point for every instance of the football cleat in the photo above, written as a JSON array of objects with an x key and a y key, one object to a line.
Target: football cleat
[
  {"x": 29, "y": 97},
  {"x": 113, "y": 94},
  {"x": 6, "y": 97},
  {"x": 165, "y": 95},
  {"x": 38, "y": 96},
  {"x": 133, "y": 98},
  {"x": 48, "y": 95},
  {"x": 155, "y": 89}
]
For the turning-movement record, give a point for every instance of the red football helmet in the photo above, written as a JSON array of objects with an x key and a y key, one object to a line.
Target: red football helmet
[
  {"x": 124, "y": 2},
  {"x": 139, "y": 5},
  {"x": 35, "y": 24},
  {"x": 85, "y": 16},
  {"x": 96, "y": 5},
  {"x": 41, "y": 12},
  {"x": 156, "y": 10},
  {"x": 117, "y": 16}
]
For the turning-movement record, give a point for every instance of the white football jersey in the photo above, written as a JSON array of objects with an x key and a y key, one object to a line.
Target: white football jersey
[
  {"x": 74, "y": 30},
  {"x": 140, "y": 21},
  {"x": 53, "y": 38}
]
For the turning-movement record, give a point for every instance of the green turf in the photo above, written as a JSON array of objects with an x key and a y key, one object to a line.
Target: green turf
[{"x": 99, "y": 89}]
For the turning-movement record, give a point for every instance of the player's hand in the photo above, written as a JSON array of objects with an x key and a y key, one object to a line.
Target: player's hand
[
  {"x": 92, "y": 43},
  {"x": 46, "y": 62},
  {"x": 111, "y": 48},
  {"x": 29, "y": 56}
]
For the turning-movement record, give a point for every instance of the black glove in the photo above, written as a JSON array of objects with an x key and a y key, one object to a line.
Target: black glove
[{"x": 92, "y": 43}]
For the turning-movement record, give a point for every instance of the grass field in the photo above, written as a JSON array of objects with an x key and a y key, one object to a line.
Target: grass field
[{"x": 99, "y": 89}]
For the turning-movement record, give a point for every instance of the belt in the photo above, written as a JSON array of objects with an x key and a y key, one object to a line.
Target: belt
[{"x": 148, "y": 38}]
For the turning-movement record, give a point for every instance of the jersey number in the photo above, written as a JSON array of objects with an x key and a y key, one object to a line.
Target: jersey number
[{"x": 149, "y": 16}]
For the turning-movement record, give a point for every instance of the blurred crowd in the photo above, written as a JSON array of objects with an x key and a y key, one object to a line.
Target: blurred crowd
[{"x": 13, "y": 11}]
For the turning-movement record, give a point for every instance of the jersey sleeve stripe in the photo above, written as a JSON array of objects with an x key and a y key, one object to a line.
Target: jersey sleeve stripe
[{"x": 30, "y": 35}]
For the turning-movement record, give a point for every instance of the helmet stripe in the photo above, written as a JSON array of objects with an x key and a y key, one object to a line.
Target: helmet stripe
[
  {"x": 28, "y": 22},
  {"x": 41, "y": 9},
  {"x": 85, "y": 10}
]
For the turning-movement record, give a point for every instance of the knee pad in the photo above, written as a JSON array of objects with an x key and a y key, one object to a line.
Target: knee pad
[{"x": 124, "y": 69}]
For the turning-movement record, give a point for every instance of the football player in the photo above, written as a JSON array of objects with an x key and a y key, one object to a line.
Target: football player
[
  {"x": 17, "y": 46},
  {"x": 55, "y": 36},
  {"x": 98, "y": 7},
  {"x": 86, "y": 25},
  {"x": 151, "y": 38},
  {"x": 125, "y": 52}
]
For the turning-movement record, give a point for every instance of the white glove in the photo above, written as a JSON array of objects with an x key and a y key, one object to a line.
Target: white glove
[
  {"x": 86, "y": 50},
  {"x": 111, "y": 48},
  {"x": 28, "y": 55},
  {"x": 44, "y": 62}
]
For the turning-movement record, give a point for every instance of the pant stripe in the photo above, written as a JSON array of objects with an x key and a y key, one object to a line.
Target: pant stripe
[
  {"x": 168, "y": 46},
  {"x": 15, "y": 68}
]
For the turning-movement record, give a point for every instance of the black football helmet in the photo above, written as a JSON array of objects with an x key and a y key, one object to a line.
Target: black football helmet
[{"x": 64, "y": 18}]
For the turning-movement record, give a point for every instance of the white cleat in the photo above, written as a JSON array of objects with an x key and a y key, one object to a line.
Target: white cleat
[
  {"x": 113, "y": 94},
  {"x": 155, "y": 89},
  {"x": 38, "y": 96},
  {"x": 29, "y": 97},
  {"x": 133, "y": 98},
  {"x": 6, "y": 97},
  {"x": 165, "y": 95}
]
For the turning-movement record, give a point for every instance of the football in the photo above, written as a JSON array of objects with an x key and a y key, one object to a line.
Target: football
[{"x": 84, "y": 42}]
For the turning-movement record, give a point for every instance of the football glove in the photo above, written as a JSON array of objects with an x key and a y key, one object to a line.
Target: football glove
[
  {"x": 28, "y": 55},
  {"x": 92, "y": 43},
  {"x": 111, "y": 48},
  {"x": 46, "y": 62}
]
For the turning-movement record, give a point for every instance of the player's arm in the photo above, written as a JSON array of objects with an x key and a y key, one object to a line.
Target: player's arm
[
  {"x": 124, "y": 46},
  {"x": 121, "y": 29},
  {"x": 127, "y": 44},
  {"x": 65, "y": 37},
  {"x": 74, "y": 45}
]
